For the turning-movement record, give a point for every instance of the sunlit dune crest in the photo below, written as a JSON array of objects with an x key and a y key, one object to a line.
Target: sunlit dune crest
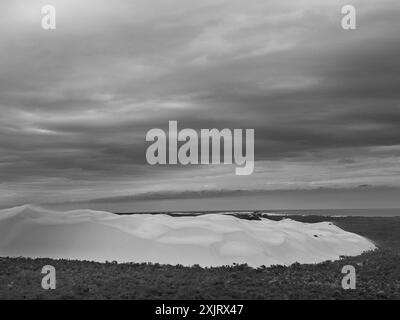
[{"x": 206, "y": 240}]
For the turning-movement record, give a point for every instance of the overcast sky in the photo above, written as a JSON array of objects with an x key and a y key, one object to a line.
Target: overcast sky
[{"x": 76, "y": 103}]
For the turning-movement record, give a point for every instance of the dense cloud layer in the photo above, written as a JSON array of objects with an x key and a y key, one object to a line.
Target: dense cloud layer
[{"x": 76, "y": 103}]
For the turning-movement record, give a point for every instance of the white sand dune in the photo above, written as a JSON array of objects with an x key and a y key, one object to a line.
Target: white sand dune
[{"x": 208, "y": 240}]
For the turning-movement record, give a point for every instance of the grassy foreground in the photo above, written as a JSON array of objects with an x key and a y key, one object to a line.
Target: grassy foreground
[{"x": 378, "y": 275}]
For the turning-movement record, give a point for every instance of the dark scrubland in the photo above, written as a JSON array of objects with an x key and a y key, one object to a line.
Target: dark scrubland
[{"x": 378, "y": 274}]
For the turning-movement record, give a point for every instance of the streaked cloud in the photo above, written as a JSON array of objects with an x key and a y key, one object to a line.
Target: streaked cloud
[{"x": 76, "y": 103}]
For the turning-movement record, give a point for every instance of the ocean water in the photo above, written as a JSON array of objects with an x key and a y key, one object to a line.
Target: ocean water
[
  {"x": 341, "y": 212},
  {"x": 312, "y": 212},
  {"x": 134, "y": 208}
]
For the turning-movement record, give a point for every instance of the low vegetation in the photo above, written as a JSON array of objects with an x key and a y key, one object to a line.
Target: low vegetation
[{"x": 378, "y": 275}]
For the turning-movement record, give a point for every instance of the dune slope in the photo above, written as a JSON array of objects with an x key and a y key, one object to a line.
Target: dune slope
[{"x": 207, "y": 240}]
